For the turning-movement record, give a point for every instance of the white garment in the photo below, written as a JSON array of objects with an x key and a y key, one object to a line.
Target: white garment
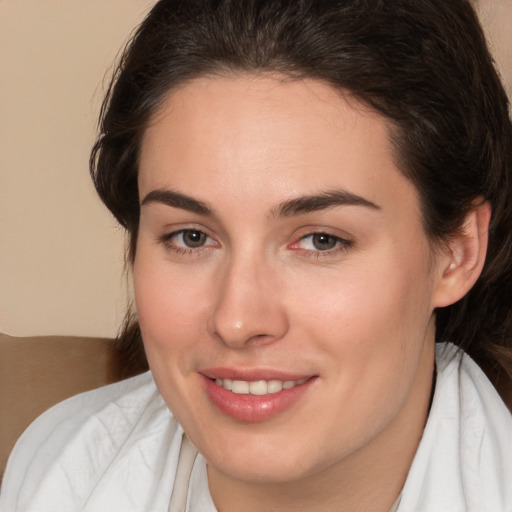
[{"x": 116, "y": 449}]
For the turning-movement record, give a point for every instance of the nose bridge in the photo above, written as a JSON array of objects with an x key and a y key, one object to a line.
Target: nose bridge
[{"x": 247, "y": 305}]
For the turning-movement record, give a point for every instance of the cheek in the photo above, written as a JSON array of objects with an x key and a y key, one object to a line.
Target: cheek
[
  {"x": 371, "y": 320},
  {"x": 362, "y": 299},
  {"x": 168, "y": 306}
]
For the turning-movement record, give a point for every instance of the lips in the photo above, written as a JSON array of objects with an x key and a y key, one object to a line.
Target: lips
[{"x": 254, "y": 396}]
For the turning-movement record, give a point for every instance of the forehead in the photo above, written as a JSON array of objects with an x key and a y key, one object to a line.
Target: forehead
[{"x": 267, "y": 138}]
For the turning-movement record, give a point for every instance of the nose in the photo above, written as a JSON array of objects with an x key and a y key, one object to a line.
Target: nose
[{"x": 247, "y": 307}]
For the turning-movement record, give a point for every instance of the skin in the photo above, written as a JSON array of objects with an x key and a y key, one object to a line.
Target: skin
[{"x": 258, "y": 294}]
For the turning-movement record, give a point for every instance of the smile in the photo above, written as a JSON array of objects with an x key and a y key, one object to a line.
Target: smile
[
  {"x": 258, "y": 387},
  {"x": 255, "y": 399}
]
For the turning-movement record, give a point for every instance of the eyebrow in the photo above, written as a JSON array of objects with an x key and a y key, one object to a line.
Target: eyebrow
[
  {"x": 296, "y": 206},
  {"x": 322, "y": 201},
  {"x": 177, "y": 200}
]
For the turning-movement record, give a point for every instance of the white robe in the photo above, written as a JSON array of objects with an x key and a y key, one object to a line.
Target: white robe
[{"x": 116, "y": 449}]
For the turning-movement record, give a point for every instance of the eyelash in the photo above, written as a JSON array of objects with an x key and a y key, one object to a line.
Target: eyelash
[
  {"x": 340, "y": 244},
  {"x": 167, "y": 241}
]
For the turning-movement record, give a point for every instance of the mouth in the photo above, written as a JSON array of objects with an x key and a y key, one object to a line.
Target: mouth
[{"x": 255, "y": 400}]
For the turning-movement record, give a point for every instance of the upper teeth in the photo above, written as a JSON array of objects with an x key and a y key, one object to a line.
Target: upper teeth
[{"x": 258, "y": 387}]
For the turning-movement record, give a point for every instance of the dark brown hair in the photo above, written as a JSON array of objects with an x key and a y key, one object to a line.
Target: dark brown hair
[{"x": 422, "y": 64}]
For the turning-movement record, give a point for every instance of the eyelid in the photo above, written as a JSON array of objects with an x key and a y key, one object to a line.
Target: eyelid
[
  {"x": 167, "y": 237},
  {"x": 344, "y": 241}
]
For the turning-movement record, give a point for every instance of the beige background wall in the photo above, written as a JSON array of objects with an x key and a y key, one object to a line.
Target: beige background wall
[
  {"x": 60, "y": 251},
  {"x": 496, "y": 17}
]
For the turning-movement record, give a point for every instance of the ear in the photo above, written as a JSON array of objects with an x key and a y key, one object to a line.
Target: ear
[{"x": 461, "y": 261}]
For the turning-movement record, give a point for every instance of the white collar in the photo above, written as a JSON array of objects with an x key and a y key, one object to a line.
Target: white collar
[{"x": 464, "y": 459}]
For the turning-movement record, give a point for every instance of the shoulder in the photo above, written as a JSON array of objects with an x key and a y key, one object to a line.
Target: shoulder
[
  {"x": 464, "y": 460},
  {"x": 485, "y": 425},
  {"x": 461, "y": 379},
  {"x": 77, "y": 446}
]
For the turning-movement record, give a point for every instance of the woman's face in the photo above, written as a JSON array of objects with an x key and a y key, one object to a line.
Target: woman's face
[{"x": 284, "y": 285}]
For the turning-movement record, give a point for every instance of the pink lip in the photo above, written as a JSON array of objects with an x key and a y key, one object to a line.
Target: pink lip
[{"x": 252, "y": 408}]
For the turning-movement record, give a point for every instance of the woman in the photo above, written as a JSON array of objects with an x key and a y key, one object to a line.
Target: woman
[{"x": 316, "y": 197}]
